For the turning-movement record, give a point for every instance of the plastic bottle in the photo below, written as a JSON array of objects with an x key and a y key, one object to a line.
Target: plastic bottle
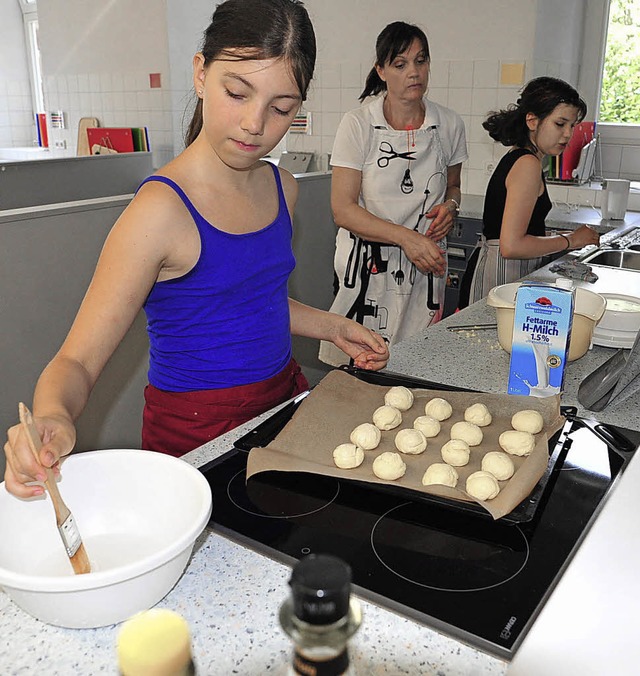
[
  {"x": 320, "y": 616},
  {"x": 155, "y": 642}
]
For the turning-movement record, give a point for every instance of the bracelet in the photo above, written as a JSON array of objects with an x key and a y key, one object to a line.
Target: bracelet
[
  {"x": 568, "y": 241},
  {"x": 456, "y": 204}
]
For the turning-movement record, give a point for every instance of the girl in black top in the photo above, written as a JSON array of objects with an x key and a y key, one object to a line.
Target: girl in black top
[{"x": 514, "y": 239}]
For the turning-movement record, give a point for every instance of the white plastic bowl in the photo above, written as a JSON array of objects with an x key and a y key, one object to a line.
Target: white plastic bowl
[
  {"x": 620, "y": 323},
  {"x": 588, "y": 310},
  {"x": 139, "y": 514}
]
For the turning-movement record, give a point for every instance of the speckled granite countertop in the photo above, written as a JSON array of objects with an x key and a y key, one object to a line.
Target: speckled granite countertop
[{"x": 230, "y": 595}]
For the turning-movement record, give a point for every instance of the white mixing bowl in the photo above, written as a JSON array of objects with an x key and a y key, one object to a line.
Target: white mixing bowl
[
  {"x": 588, "y": 310},
  {"x": 139, "y": 514}
]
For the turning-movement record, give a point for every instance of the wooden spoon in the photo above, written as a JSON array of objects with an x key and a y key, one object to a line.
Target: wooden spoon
[{"x": 66, "y": 523}]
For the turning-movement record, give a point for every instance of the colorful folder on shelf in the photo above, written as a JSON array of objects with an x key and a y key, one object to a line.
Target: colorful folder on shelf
[
  {"x": 582, "y": 135},
  {"x": 118, "y": 139}
]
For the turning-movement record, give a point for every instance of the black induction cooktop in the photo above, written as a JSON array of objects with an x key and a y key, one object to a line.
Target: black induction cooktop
[{"x": 475, "y": 579}]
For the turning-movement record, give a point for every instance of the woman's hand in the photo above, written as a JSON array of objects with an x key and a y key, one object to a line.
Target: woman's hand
[
  {"x": 583, "y": 236},
  {"x": 443, "y": 220},
  {"x": 423, "y": 252},
  {"x": 58, "y": 437},
  {"x": 367, "y": 348}
]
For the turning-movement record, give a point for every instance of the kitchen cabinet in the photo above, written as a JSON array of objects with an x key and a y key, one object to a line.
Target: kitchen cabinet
[{"x": 461, "y": 242}]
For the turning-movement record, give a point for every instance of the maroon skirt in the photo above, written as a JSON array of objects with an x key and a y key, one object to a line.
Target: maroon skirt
[{"x": 177, "y": 422}]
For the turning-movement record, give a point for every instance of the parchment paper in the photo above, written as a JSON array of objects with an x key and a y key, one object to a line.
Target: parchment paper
[{"x": 341, "y": 401}]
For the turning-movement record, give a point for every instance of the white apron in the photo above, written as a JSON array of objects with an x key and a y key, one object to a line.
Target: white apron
[{"x": 404, "y": 176}]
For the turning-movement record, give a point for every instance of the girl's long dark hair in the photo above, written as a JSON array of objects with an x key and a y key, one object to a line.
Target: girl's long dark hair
[
  {"x": 394, "y": 39},
  {"x": 540, "y": 97},
  {"x": 267, "y": 29}
]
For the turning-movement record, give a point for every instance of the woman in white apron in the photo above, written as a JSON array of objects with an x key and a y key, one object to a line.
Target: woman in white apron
[{"x": 395, "y": 192}]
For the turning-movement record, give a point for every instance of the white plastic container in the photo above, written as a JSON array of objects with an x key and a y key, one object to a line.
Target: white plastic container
[
  {"x": 615, "y": 197},
  {"x": 139, "y": 514}
]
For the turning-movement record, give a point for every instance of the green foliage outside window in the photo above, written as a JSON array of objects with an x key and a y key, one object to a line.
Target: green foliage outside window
[{"x": 620, "y": 102}]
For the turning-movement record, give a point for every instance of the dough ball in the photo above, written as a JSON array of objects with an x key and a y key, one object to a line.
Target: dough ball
[
  {"x": 400, "y": 398},
  {"x": 389, "y": 466},
  {"x": 456, "y": 452},
  {"x": 429, "y": 426},
  {"x": 527, "y": 421},
  {"x": 482, "y": 485},
  {"x": 478, "y": 414},
  {"x": 440, "y": 473},
  {"x": 517, "y": 443},
  {"x": 387, "y": 417},
  {"x": 348, "y": 456},
  {"x": 367, "y": 436},
  {"x": 438, "y": 408},
  {"x": 468, "y": 432},
  {"x": 410, "y": 441},
  {"x": 499, "y": 464}
]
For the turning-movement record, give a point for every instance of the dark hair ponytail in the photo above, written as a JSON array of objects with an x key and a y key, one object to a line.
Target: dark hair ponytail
[
  {"x": 540, "y": 96},
  {"x": 265, "y": 29},
  {"x": 394, "y": 39}
]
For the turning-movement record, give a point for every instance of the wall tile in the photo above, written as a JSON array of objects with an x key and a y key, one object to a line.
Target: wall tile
[
  {"x": 460, "y": 100},
  {"x": 486, "y": 74},
  {"x": 483, "y": 100},
  {"x": 461, "y": 74}
]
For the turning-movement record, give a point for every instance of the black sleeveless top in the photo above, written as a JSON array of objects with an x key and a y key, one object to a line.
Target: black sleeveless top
[{"x": 496, "y": 196}]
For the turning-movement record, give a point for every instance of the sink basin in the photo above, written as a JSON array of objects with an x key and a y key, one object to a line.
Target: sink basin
[{"x": 626, "y": 259}]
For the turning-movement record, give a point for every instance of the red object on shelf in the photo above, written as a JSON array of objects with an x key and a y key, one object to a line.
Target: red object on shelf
[
  {"x": 43, "y": 136},
  {"x": 119, "y": 139},
  {"x": 582, "y": 134}
]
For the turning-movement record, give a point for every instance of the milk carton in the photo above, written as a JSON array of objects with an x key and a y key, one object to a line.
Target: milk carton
[{"x": 541, "y": 332}]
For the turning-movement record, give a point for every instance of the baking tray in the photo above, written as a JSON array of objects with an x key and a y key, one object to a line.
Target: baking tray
[{"x": 264, "y": 433}]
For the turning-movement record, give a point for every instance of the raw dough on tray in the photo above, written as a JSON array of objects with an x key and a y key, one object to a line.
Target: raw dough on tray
[
  {"x": 410, "y": 441},
  {"x": 367, "y": 436},
  {"x": 440, "y": 473},
  {"x": 527, "y": 421},
  {"x": 499, "y": 464},
  {"x": 468, "y": 432},
  {"x": 399, "y": 397},
  {"x": 438, "y": 408},
  {"x": 456, "y": 452},
  {"x": 387, "y": 417},
  {"x": 348, "y": 456},
  {"x": 389, "y": 466},
  {"x": 478, "y": 414},
  {"x": 428, "y": 425},
  {"x": 482, "y": 485},
  {"x": 517, "y": 443}
]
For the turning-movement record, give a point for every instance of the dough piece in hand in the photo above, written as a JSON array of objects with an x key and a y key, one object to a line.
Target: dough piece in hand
[
  {"x": 478, "y": 414},
  {"x": 527, "y": 421},
  {"x": 387, "y": 417},
  {"x": 456, "y": 452},
  {"x": 400, "y": 398},
  {"x": 367, "y": 436},
  {"x": 517, "y": 443},
  {"x": 438, "y": 408},
  {"x": 468, "y": 432},
  {"x": 499, "y": 464},
  {"x": 440, "y": 473},
  {"x": 410, "y": 441},
  {"x": 429, "y": 426},
  {"x": 348, "y": 456},
  {"x": 389, "y": 466},
  {"x": 482, "y": 485}
]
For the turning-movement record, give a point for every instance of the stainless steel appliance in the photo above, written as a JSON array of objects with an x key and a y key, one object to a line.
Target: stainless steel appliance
[{"x": 478, "y": 580}]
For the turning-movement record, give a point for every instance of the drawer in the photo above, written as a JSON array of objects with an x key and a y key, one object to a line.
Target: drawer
[{"x": 465, "y": 231}]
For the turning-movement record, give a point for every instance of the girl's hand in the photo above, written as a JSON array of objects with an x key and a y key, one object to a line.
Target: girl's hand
[
  {"x": 443, "y": 220},
  {"x": 583, "y": 236},
  {"x": 367, "y": 348},
  {"x": 58, "y": 437},
  {"x": 424, "y": 253}
]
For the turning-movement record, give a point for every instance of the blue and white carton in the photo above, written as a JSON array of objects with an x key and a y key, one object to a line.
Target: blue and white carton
[{"x": 541, "y": 333}]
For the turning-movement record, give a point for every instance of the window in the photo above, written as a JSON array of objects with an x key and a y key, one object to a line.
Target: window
[
  {"x": 620, "y": 91},
  {"x": 30, "y": 19}
]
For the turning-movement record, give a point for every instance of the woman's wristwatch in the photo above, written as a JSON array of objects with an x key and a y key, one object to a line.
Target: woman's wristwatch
[{"x": 456, "y": 205}]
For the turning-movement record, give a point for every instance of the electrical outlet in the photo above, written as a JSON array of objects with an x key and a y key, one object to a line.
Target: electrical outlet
[
  {"x": 489, "y": 166},
  {"x": 60, "y": 144}
]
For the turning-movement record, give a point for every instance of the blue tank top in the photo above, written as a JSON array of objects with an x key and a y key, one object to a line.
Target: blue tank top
[{"x": 226, "y": 321}]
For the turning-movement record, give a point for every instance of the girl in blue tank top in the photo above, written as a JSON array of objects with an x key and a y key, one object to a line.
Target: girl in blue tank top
[{"x": 205, "y": 248}]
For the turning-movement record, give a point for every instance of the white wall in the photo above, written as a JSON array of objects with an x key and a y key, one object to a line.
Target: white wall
[{"x": 17, "y": 126}]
